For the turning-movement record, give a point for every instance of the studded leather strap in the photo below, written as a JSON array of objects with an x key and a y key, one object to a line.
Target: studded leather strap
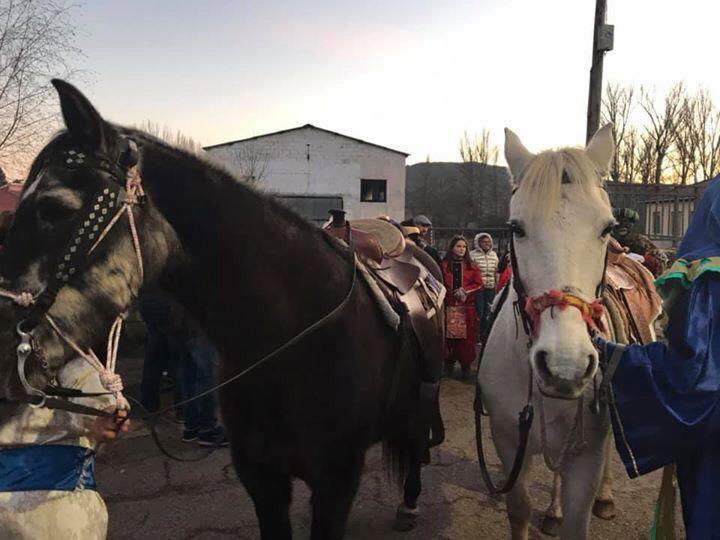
[{"x": 91, "y": 220}]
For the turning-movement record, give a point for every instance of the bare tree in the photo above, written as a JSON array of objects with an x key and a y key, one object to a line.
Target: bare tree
[
  {"x": 662, "y": 122},
  {"x": 175, "y": 138},
  {"x": 706, "y": 131},
  {"x": 476, "y": 153},
  {"x": 36, "y": 44},
  {"x": 253, "y": 162},
  {"x": 627, "y": 153},
  {"x": 478, "y": 149},
  {"x": 616, "y": 107},
  {"x": 645, "y": 158},
  {"x": 683, "y": 155}
]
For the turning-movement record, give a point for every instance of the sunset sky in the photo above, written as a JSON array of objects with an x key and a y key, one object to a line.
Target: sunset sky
[{"x": 409, "y": 75}]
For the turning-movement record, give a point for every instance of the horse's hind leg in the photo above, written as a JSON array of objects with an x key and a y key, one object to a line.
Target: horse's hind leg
[
  {"x": 333, "y": 492},
  {"x": 271, "y": 492},
  {"x": 604, "y": 506},
  {"x": 407, "y": 511},
  {"x": 553, "y": 515}
]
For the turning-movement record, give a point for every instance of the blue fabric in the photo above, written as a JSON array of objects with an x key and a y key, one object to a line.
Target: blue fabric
[
  {"x": 666, "y": 397},
  {"x": 47, "y": 467},
  {"x": 702, "y": 238},
  {"x": 198, "y": 368}
]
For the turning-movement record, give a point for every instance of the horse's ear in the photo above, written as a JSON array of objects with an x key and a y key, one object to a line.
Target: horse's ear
[
  {"x": 83, "y": 122},
  {"x": 516, "y": 155},
  {"x": 601, "y": 148}
]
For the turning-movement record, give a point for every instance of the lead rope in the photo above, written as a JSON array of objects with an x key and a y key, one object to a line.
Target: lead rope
[{"x": 109, "y": 379}]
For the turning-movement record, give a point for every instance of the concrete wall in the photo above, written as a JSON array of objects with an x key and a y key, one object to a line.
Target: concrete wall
[{"x": 310, "y": 161}]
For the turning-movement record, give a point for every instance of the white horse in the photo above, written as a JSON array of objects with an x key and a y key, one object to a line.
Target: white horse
[{"x": 561, "y": 219}]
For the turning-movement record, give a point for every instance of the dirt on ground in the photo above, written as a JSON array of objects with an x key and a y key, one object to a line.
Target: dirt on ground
[{"x": 150, "y": 497}]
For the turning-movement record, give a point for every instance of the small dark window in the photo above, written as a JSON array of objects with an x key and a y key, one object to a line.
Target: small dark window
[{"x": 373, "y": 190}]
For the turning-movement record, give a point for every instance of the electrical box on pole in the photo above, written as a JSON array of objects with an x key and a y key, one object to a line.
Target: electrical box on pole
[{"x": 605, "y": 37}]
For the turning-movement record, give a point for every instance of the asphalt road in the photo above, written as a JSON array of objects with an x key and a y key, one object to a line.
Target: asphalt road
[{"x": 151, "y": 497}]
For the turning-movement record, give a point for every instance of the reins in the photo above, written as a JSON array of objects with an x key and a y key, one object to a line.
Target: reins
[{"x": 151, "y": 418}]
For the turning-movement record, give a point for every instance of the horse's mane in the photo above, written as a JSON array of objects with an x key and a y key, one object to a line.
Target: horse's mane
[
  {"x": 216, "y": 177},
  {"x": 220, "y": 179},
  {"x": 540, "y": 186}
]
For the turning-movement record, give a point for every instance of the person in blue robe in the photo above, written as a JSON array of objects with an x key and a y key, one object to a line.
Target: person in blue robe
[{"x": 666, "y": 396}]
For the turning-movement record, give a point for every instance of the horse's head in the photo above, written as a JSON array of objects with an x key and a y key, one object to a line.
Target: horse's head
[
  {"x": 62, "y": 249},
  {"x": 561, "y": 220}
]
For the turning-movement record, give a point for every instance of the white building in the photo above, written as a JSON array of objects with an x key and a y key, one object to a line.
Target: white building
[{"x": 314, "y": 170}]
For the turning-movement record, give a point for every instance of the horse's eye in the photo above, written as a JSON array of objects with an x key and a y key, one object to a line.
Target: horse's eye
[
  {"x": 607, "y": 230},
  {"x": 517, "y": 229},
  {"x": 52, "y": 211}
]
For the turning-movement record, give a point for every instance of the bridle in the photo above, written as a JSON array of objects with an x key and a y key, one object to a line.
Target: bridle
[
  {"x": 529, "y": 309},
  {"x": 94, "y": 221}
]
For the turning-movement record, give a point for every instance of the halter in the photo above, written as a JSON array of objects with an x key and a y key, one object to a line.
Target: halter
[
  {"x": 95, "y": 221},
  {"x": 530, "y": 308},
  {"x": 591, "y": 312}
]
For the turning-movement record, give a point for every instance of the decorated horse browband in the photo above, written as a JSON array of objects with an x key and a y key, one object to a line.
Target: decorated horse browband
[
  {"x": 92, "y": 219},
  {"x": 75, "y": 158},
  {"x": 591, "y": 312}
]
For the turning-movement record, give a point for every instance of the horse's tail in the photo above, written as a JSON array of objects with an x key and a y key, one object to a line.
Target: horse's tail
[{"x": 398, "y": 454}]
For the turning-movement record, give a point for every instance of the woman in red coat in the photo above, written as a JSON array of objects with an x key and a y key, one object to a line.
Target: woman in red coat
[{"x": 463, "y": 278}]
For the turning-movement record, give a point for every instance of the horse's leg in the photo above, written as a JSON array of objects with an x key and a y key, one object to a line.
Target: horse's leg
[
  {"x": 553, "y": 515},
  {"x": 519, "y": 505},
  {"x": 580, "y": 481},
  {"x": 604, "y": 506},
  {"x": 333, "y": 492},
  {"x": 407, "y": 511},
  {"x": 271, "y": 492}
]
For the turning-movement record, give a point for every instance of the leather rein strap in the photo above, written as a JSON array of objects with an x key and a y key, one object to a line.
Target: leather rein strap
[{"x": 525, "y": 418}]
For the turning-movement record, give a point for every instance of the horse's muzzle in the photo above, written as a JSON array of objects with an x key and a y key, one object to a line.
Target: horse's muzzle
[{"x": 566, "y": 380}]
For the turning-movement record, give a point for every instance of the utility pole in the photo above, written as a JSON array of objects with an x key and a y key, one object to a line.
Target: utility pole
[{"x": 602, "y": 42}]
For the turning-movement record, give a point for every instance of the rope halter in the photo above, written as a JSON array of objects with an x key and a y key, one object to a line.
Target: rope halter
[{"x": 591, "y": 312}]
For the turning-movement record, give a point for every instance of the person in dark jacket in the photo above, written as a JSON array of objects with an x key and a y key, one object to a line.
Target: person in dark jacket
[{"x": 423, "y": 223}]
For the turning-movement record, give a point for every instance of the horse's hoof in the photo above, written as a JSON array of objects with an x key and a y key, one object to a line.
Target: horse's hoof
[
  {"x": 604, "y": 509},
  {"x": 551, "y": 525},
  {"x": 405, "y": 518}
]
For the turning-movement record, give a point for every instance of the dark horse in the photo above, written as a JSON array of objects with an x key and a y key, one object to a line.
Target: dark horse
[{"x": 253, "y": 275}]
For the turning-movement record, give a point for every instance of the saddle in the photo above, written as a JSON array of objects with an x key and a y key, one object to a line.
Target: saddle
[
  {"x": 394, "y": 274},
  {"x": 630, "y": 297},
  {"x": 404, "y": 290}
]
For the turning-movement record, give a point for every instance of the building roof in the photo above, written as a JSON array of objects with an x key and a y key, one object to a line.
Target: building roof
[{"x": 306, "y": 126}]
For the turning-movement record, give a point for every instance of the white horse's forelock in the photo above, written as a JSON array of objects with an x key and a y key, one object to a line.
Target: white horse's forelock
[{"x": 540, "y": 188}]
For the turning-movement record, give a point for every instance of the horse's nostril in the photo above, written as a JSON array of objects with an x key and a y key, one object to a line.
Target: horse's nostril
[{"x": 541, "y": 363}]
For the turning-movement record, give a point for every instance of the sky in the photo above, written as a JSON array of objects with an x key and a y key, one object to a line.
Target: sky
[{"x": 413, "y": 76}]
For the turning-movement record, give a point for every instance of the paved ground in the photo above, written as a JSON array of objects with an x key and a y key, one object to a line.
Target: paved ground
[{"x": 150, "y": 497}]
